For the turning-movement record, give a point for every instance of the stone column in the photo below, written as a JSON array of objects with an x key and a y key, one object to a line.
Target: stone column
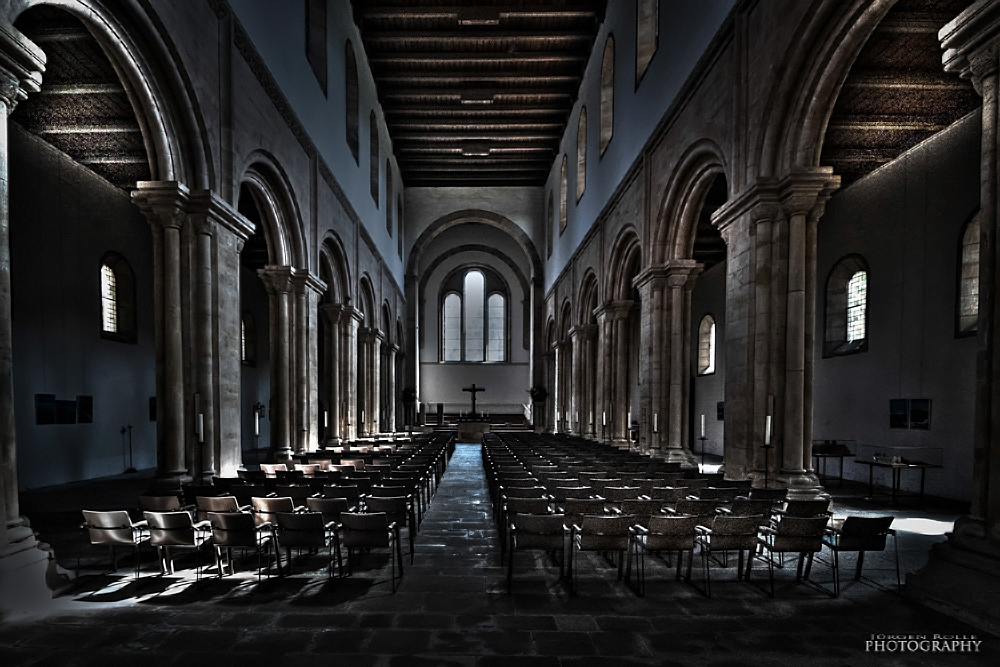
[
  {"x": 164, "y": 204},
  {"x": 333, "y": 314},
  {"x": 307, "y": 290},
  {"x": 652, "y": 357},
  {"x": 559, "y": 389},
  {"x": 583, "y": 341},
  {"x": 390, "y": 390},
  {"x": 204, "y": 351},
  {"x": 350, "y": 323},
  {"x": 961, "y": 575},
  {"x": 578, "y": 418},
  {"x": 20, "y": 73},
  {"x": 278, "y": 283},
  {"x": 618, "y": 366},
  {"x": 602, "y": 386},
  {"x": 681, "y": 276}
]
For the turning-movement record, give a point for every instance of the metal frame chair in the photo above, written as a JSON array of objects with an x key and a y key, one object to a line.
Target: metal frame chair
[
  {"x": 309, "y": 529},
  {"x": 115, "y": 528},
  {"x": 237, "y": 530},
  {"x": 533, "y": 532},
  {"x": 664, "y": 533},
  {"x": 860, "y": 534},
  {"x": 369, "y": 531},
  {"x": 177, "y": 530},
  {"x": 793, "y": 534}
]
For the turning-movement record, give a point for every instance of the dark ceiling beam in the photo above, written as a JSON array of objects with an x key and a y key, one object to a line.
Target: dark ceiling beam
[
  {"x": 444, "y": 127},
  {"x": 499, "y": 138},
  {"x": 81, "y": 89},
  {"x": 471, "y": 58},
  {"x": 839, "y": 155},
  {"x": 482, "y": 79},
  {"x": 895, "y": 79},
  {"x": 109, "y": 128},
  {"x": 474, "y": 115},
  {"x": 898, "y": 124},
  {"x": 458, "y": 39},
  {"x": 575, "y": 9}
]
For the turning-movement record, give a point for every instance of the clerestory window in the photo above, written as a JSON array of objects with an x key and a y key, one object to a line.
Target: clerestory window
[{"x": 474, "y": 317}]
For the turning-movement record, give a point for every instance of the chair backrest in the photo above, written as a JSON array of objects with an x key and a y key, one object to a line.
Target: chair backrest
[
  {"x": 768, "y": 494},
  {"x": 734, "y": 532},
  {"x": 395, "y": 508},
  {"x": 308, "y": 469},
  {"x": 364, "y": 484},
  {"x": 864, "y": 533},
  {"x": 252, "y": 475},
  {"x": 566, "y": 492},
  {"x": 806, "y": 508},
  {"x": 365, "y": 530},
  {"x": 170, "y": 528},
  {"x": 351, "y": 493},
  {"x": 675, "y": 524},
  {"x": 540, "y": 524},
  {"x": 330, "y": 508},
  {"x": 245, "y": 492},
  {"x": 752, "y": 507},
  {"x": 271, "y": 468},
  {"x": 342, "y": 467},
  {"x": 527, "y": 506},
  {"x": 170, "y": 503},
  {"x": 297, "y": 492},
  {"x": 359, "y": 464},
  {"x": 290, "y": 476},
  {"x": 524, "y": 492},
  {"x": 604, "y": 532},
  {"x": 702, "y": 508},
  {"x": 668, "y": 493},
  {"x": 799, "y": 534},
  {"x": 233, "y": 529},
  {"x": 723, "y": 493},
  {"x": 642, "y": 510},
  {"x": 114, "y": 527},
  {"x": 324, "y": 464},
  {"x": 618, "y": 493},
  {"x": 217, "y": 503},
  {"x": 379, "y": 491}
]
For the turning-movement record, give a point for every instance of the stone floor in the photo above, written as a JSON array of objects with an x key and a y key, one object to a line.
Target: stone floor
[{"x": 452, "y": 607}]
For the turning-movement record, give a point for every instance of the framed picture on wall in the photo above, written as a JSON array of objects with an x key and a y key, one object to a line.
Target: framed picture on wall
[
  {"x": 899, "y": 413},
  {"x": 920, "y": 413}
]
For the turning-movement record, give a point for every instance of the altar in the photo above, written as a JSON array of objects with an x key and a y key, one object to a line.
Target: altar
[{"x": 471, "y": 427}]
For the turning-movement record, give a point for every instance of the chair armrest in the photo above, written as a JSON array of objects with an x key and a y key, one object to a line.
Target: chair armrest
[
  {"x": 639, "y": 529},
  {"x": 703, "y": 530},
  {"x": 203, "y": 525},
  {"x": 244, "y": 508},
  {"x": 643, "y": 496},
  {"x": 767, "y": 530},
  {"x": 615, "y": 510},
  {"x": 139, "y": 524},
  {"x": 723, "y": 510},
  {"x": 331, "y": 525},
  {"x": 266, "y": 524},
  {"x": 668, "y": 510}
]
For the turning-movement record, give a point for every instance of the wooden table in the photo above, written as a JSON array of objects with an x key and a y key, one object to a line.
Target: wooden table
[
  {"x": 823, "y": 477},
  {"x": 897, "y": 471}
]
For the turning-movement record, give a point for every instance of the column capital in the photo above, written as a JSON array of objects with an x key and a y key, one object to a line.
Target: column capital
[
  {"x": 164, "y": 203},
  {"x": 970, "y": 43},
  {"x": 208, "y": 212},
  {"x": 22, "y": 63},
  {"x": 806, "y": 191},
  {"x": 277, "y": 279},
  {"x": 302, "y": 280},
  {"x": 583, "y": 332},
  {"x": 332, "y": 312},
  {"x": 615, "y": 310},
  {"x": 352, "y": 314},
  {"x": 367, "y": 335}
]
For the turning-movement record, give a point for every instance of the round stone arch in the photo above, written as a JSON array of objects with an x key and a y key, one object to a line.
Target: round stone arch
[
  {"x": 680, "y": 208},
  {"x": 801, "y": 101},
  {"x": 588, "y": 298},
  {"x": 489, "y": 218},
  {"x": 623, "y": 252},
  {"x": 335, "y": 270},
  {"x": 273, "y": 195},
  {"x": 157, "y": 88}
]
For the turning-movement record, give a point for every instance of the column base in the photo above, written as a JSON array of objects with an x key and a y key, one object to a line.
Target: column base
[
  {"x": 29, "y": 574},
  {"x": 333, "y": 442},
  {"x": 679, "y": 455},
  {"x": 962, "y": 576},
  {"x": 802, "y": 484},
  {"x": 172, "y": 479}
]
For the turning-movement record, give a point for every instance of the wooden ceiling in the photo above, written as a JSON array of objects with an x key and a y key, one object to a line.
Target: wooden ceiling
[
  {"x": 477, "y": 94},
  {"x": 897, "y": 93}
]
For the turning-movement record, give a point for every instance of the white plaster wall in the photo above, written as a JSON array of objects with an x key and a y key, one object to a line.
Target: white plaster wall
[{"x": 905, "y": 220}]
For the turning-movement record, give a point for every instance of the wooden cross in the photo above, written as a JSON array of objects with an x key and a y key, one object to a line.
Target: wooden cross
[{"x": 473, "y": 390}]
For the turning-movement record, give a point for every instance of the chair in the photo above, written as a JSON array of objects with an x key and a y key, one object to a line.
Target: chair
[
  {"x": 805, "y": 508},
  {"x": 177, "y": 530},
  {"x": 115, "y": 529},
  {"x": 793, "y": 534},
  {"x": 359, "y": 464},
  {"x": 600, "y": 533},
  {"x": 330, "y": 508},
  {"x": 265, "y": 509},
  {"x": 547, "y": 532},
  {"x": 308, "y": 529},
  {"x": 270, "y": 469},
  {"x": 768, "y": 494},
  {"x": 669, "y": 494},
  {"x": 725, "y": 494},
  {"x": 237, "y": 530},
  {"x": 308, "y": 469},
  {"x": 755, "y": 507},
  {"x": 664, "y": 533},
  {"x": 297, "y": 492},
  {"x": 705, "y": 510},
  {"x": 642, "y": 510},
  {"x": 208, "y": 504},
  {"x": 398, "y": 510},
  {"x": 370, "y": 531},
  {"x": 245, "y": 492},
  {"x": 350, "y": 493},
  {"x": 576, "y": 508},
  {"x": 729, "y": 533},
  {"x": 616, "y": 494},
  {"x": 562, "y": 493},
  {"x": 251, "y": 476},
  {"x": 860, "y": 534},
  {"x": 512, "y": 506}
]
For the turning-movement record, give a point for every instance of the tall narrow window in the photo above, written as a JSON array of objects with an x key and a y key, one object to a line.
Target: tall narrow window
[
  {"x": 248, "y": 339},
  {"x": 117, "y": 299},
  {"x": 563, "y": 198},
  {"x": 608, "y": 94},
  {"x": 351, "y": 101},
  {"x": 109, "y": 300},
  {"x": 316, "y": 39},
  {"x": 495, "y": 328},
  {"x": 846, "y": 328},
  {"x": 706, "y": 346},
  {"x": 968, "y": 280},
  {"x": 475, "y": 322},
  {"x": 581, "y": 154},
  {"x": 399, "y": 225},
  {"x": 647, "y": 30},
  {"x": 373, "y": 151},
  {"x": 451, "y": 326},
  {"x": 857, "y": 303}
]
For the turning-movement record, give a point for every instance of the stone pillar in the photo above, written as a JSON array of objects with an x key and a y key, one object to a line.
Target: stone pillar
[
  {"x": 681, "y": 276},
  {"x": 332, "y": 314},
  {"x": 350, "y": 323},
  {"x": 204, "y": 350},
  {"x": 375, "y": 381},
  {"x": 20, "y": 74},
  {"x": 616, "y": 365},
  {"x": 390, "y": 390},
  {"x": 576, "y": 409},
  {"x": 278, "y": 283},
  {"x": 164, "y": 204},
  {"x": 307, "y": 290},
  {"x": 961, "y": 576},
  {"x": 652, "y": 357},
  {"x": 559, "y": 388},
  {"x": 583, "y": 373},
  {"x": 770, "y": 319},
  {"x": 604, "y": 415}
]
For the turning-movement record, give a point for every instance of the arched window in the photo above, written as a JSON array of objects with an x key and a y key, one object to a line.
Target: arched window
[
  {"x": 316, "y": 40},
  {"x": 847, "y": 307},
  {"x": 647, "y": 32},
  {"x": 451, "y": 328},
  {"x": 968, "y": 280},
  {"x": 474, "y": 317},
  {"x": 248, "y": 339},
  {"x": 351, "y": 101},
  {"x": 373, "y": 152},
  {"x": 399, "y": 225},
  {"x": 563, "y": 198},
  {"x": 550, "y": 223},
  {"x": 117, "y": 299},
  {"x": 608, "y": 94},
  {"x": 706, "y": 346},
  {"x": 581, "y": 154}
]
